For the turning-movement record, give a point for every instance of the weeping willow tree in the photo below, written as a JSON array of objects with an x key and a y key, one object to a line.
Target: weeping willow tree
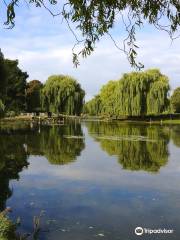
[
  {"x": 62, "y": 94},
  {"x": 157, "y": 96},
  {"x": 133, "y": 95},
  {"x": 136, "y": 147},
  {"x": 137, "y": 91},
  {"x": 108, "y": 97}
]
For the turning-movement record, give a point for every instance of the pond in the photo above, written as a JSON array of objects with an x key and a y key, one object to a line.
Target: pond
[{"x": 92, "y": 180}]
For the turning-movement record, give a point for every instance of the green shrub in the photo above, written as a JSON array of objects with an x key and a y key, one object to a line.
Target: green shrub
[{"x": 7, "y": 228}]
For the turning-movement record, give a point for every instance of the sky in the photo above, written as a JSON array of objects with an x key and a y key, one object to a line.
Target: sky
[{"x": 43, "y": 46}]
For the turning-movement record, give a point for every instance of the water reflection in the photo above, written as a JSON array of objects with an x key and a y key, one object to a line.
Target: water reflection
[
  {"x": 19, "y": 141},
  {"x": 175, "y": 133},
  {"x": 93, "y": 195},
  {"x": 13, "y": 158},
  {"x": 137, "y": 147},
  {"x": 55, "y": 144}
]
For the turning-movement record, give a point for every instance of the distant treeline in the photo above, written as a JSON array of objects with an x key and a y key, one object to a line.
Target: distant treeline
[{"x": 135, "y": 94}]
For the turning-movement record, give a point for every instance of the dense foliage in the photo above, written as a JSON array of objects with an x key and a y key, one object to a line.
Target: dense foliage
[
  {"x": 175, "y": 100},
  {"x": 33, "y": 96},
  {"x": 3, "y": 77},
  {"x": 12, "y": 86},
  {"x": 15, "y": 87},
  {"x": 96, "y": 18},
  {"x": 62, "y": 94},
  {"x": 132, "y": 95},
  {"x": 3, "y": 82}
]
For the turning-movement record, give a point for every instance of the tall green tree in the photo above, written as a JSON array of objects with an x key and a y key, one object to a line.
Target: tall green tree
[
  {"x": 138, "y": 90},
  {"x": 175, "y": 100},
  {"x": 96, "y": 18},
  {"x": 63, "y": 94},
  {"x": 108, "y": 97},
  {"x": 33, "y": 95},
  {"x": 16, "y": 86},
  {"x": 3, "y": 78}
]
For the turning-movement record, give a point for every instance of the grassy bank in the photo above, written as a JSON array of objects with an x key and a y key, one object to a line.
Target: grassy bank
[
  {"x": 161, "y": 118},
  {"x": 174, "y": 121}
]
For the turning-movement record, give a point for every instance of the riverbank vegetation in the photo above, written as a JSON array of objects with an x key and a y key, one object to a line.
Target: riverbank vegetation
[{"x": 136, "y": 94}]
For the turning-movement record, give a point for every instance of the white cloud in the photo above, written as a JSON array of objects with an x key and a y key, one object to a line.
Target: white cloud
[{"x": 43, "y": 47}]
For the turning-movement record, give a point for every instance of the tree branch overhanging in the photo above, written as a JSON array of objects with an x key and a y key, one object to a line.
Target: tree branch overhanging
[{"x": 95, "y": 18}]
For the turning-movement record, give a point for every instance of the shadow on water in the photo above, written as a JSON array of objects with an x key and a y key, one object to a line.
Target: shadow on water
[{"x": 137, "y": 147}]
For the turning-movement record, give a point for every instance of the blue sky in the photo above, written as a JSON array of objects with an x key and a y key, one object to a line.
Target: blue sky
[{"x": 43, "y": 45}]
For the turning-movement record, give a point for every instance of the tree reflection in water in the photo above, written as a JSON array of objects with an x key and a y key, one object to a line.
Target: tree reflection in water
[
  {"x": 13, "y": 158},
  {"x": 18, "y": 142},
  {"x": 138, "y": 147},
  {"x": 52, "y": 143}
]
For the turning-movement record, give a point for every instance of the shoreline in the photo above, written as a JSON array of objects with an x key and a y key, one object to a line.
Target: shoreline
[{"x": 62, "y": 118}]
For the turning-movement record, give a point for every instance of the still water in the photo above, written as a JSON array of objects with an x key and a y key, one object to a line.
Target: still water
[{"x": 92, "y": 180}]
